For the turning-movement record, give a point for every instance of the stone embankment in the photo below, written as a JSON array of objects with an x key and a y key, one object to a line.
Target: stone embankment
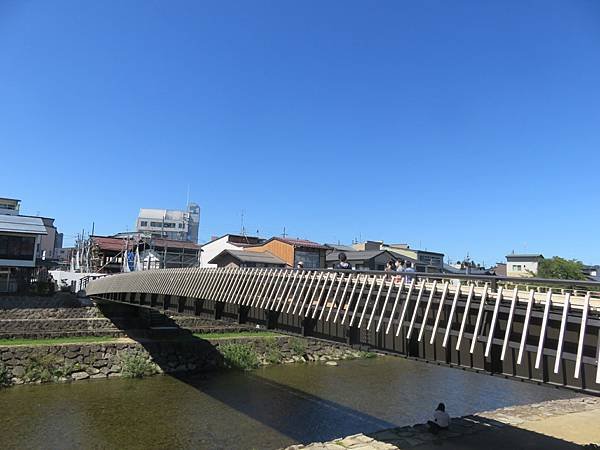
[
  {"x": 46, "y": 317},
  {"x": 526, "y": 417},
  {"x": 21, "y": 364}
]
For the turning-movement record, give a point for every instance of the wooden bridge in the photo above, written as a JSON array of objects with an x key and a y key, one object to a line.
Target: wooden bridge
[{"x": 547, "y": 334}]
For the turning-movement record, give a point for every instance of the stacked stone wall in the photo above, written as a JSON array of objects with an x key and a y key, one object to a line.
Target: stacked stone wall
[{"x": 73, "y": 362}]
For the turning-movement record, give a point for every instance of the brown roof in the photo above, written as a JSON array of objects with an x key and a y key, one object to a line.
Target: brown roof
[
  {"x": 299, "y": 242},
  {"x": 109, "y": 243},
  {"x": 250, "y": 257}
]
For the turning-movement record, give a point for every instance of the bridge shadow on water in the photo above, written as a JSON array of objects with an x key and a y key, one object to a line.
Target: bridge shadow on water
[{"x": 303, "y": 417}]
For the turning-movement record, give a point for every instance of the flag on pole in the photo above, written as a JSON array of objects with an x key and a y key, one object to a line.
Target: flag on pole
[
  {"x": 138, "y": 263},
  {"x": 126, "y": 261}
]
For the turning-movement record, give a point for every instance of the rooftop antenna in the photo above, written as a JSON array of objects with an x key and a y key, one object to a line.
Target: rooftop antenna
[
  {"x": 187, "y": 202},
  {"x": 242, "y": 228},
  {"x": 284, "y": 233}
]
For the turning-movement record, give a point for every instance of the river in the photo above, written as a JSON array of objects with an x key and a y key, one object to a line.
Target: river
[{"x": 267, "y": 408}]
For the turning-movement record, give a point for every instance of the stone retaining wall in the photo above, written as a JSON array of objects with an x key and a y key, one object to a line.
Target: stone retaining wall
[
  {"x": 58, "y": 300},
  {"x": 49, "y": 313},
  {"x": 73, "y": 362}
]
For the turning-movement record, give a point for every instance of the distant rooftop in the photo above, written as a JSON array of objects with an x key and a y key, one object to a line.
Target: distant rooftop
[
  {"x": 363, "y": 255},
  {"x": 294, "y": 242},
  {"x": 21, "y": 224},
  {"x": 250, "y": 257},
  {"x": 524, "y": 255},
  {"x": 341, "y": 247}
]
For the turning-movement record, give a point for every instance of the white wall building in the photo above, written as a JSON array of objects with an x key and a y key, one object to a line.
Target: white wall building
[
  {"x": 9, "y": 206},
  {"x": 170, "y": 223},
  {"x": 522, "y": 265},
  {"x": 226, "y": 242}
]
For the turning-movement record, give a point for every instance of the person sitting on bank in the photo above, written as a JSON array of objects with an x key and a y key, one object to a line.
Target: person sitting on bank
[
  {"x": 440, "y": 420},
  {"x": 343, "y": 264}
]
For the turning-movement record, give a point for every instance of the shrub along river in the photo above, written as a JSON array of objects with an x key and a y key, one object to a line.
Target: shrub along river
[{"x": 271, "y": 407}]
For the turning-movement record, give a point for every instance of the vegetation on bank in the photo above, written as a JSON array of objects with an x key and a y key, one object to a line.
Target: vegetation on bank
[
  {"x": 232, "y": 335},
  {"x": 4, "y": 376},
  {"x": 47, "y": 368},
  {"x": 60, "y": 340},
  {"x": 240, "y": 356},
  {"x": 136, "y": 365}
]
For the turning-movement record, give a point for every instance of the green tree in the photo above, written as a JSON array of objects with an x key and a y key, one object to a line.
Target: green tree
[{"x": 560, "y": 268}]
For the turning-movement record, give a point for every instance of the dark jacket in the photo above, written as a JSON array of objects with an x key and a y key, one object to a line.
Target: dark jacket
[{"x": 343, "y": 265}]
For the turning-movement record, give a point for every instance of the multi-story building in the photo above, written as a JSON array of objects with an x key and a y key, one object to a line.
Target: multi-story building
[
  {"x": 19, "y": 238},
  {"x": 522, "y": 265},
  {"x": 170, "y": 223}
]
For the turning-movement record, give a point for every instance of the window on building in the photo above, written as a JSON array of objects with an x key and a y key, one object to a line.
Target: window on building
[
  {"x": 156, "y": 224},
  {"x": 516, "y": 267},
  {"x": 17, "y": 247},
  {"x": 144, "y": 223}
]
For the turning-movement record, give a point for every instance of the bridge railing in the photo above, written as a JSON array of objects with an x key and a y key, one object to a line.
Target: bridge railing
[{"x": 494, "y": 316}]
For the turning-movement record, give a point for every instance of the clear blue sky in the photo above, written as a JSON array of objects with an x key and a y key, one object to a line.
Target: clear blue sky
[{"x": 464, "y": 126}]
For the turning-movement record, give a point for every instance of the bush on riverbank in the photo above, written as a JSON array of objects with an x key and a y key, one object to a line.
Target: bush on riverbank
[
  {"x": 46, "y": 368},
  {"x": 273, "y": 353},
  {"x": 135, "y": 365},
  {"x": 239, "y": 356},
  {"x": 4, "y": 376},
  {"x": 298, "y": 346}
]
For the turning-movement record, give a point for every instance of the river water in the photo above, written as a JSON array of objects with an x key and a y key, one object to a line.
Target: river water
[{"x": 267, "y": 408}]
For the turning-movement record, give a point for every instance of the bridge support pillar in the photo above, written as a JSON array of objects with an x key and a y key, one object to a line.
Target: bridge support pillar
[
  {"x": 272, "y": 318},
  {"x": 308, "y": 326},
  {"x": 219, "y": 307},
  {"x": 243, "y": 314},
  {"x": 352, "y": 335}
]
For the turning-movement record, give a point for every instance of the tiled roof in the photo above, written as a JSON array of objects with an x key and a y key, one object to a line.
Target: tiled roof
[
  {"x": 363, "y": 255},
  {"x": 109, "y": 243},
  {"x": 250, "y": 257},
  {"x": 300, "y": 242}
]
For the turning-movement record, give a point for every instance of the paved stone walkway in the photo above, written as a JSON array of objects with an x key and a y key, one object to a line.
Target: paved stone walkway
[{"x": 526, "y": 417}]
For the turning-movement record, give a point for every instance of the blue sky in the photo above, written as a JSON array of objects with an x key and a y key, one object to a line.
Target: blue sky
[{"x": 467, "y": 126}]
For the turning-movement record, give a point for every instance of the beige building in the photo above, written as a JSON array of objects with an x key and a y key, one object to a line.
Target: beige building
[{"x": 522, "y": 265}]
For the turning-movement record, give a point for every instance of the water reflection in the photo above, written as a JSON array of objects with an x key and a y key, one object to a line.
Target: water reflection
[{"x": 267, "y": 408}]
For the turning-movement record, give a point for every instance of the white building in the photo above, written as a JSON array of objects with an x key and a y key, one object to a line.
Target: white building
[
  {"x": 170, "y": 223},
  {"x": 10, "y": 206},
  {"x": 226, "y": 242},
  {"x": 19, "y": 238},
  {"x": 522, "y": 265}
]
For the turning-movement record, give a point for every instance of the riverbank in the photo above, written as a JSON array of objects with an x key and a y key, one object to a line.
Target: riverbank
[
  {"x": 27, "y": 361},
  {"x": 555, "y": 424}
]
